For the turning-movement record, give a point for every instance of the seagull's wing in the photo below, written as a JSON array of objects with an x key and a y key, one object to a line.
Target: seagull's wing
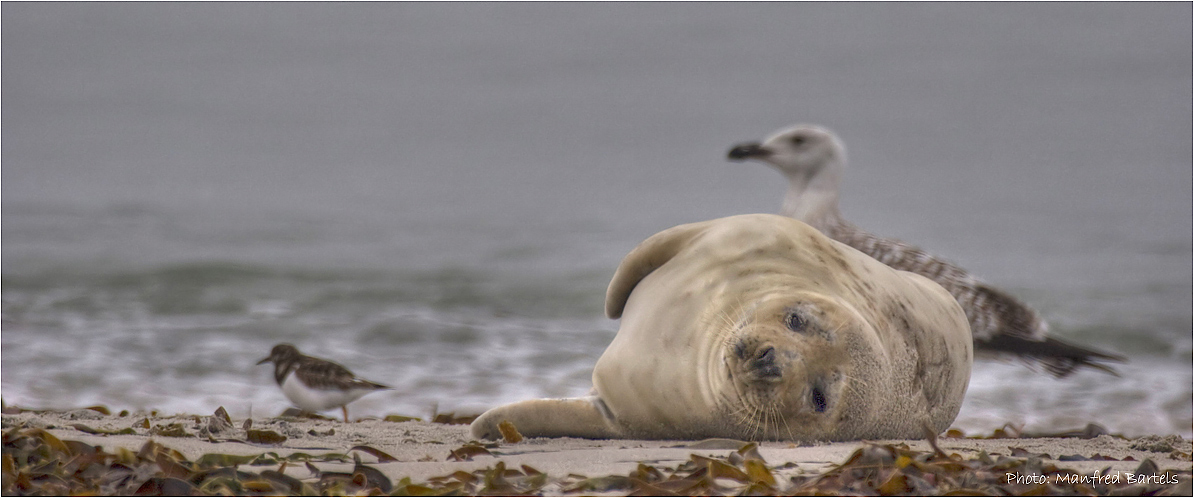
[{"x": 999, "y": 322}]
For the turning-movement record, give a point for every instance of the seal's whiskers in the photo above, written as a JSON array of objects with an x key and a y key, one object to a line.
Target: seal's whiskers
[{"x": 850, "y": 384}]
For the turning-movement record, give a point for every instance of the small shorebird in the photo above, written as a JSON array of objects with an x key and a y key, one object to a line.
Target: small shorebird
[
  {"x": 315, "y": 384},
  {"x": 812, "y": 159}
]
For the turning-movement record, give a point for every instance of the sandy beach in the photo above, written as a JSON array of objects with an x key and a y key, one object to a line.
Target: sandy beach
[{"x": 417, "y": 453}]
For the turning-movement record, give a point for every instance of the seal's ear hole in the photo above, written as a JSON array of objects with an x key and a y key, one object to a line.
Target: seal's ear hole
[{"x": 794, "y": 322}]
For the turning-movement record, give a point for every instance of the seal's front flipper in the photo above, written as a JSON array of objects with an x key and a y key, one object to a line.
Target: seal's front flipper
[{"x": 585, "y": 417}]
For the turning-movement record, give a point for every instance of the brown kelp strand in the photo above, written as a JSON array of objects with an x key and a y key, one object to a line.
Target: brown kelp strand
[
  {"x": 874, "y": 470},
  {"x": 35, "y": 462},
  {"x": 451, "y": 418}
]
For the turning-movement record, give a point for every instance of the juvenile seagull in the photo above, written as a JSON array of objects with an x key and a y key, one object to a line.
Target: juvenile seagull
[
  {"x": 812, "y": 159},
  {"x": 315, "y": 384}
]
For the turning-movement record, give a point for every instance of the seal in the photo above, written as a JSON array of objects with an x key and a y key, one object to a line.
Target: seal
[{"x": 760, "y": 327}]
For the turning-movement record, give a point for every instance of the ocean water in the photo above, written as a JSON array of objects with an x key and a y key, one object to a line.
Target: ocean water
[{"x": 436, "y": 195}]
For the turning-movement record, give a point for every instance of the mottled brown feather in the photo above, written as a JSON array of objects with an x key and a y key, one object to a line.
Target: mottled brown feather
[{"x": 316, "y": 373}]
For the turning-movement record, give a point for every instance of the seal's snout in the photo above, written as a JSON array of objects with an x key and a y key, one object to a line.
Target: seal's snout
[
  {"x": 744, "y": 151},
  {"x": 758, "y": 361},
  {"x": 764, "y": 366}
]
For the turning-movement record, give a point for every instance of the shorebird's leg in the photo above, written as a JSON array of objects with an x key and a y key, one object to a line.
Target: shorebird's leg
[{"x": 345, "y": 408}]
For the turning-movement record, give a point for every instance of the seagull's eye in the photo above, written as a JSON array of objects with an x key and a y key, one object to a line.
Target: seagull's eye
[
  {"x": 794, "y": 322},
  {"x": 798, "y": 140}
]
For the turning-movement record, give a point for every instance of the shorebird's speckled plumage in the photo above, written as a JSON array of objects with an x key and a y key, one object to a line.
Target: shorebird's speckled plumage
[
  {"x": 315, "y": 384},
  {"x": 812, "y": 160}
]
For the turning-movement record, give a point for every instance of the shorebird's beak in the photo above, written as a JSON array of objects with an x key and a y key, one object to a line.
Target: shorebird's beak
[
  {"x": 749, "y": 150},
  {"x": 267, "y": 359}
]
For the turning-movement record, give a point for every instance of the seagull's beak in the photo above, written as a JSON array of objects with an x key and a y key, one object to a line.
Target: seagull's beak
[
  {"x": 267, "y": 359},
  {"x": 749, "y": 150}
]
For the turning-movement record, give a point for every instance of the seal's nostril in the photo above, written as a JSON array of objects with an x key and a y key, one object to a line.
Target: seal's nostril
[
  {"x": 818, "y": 400},
  {"x": 764, "y": 365}
]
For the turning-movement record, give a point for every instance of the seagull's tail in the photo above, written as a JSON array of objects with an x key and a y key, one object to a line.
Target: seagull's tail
[{"x": 1057, "y": 357}]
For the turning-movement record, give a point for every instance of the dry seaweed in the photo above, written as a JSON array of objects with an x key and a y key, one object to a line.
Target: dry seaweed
[
  {"x": 91, "y": 430},
  {"x": 264, "y": 437},
  {"x": 382, "y": 457},
  {"x": 401, "y": 418},
  {"x": 880, "y": 470},
  {"x": 170, "y": 430},
  {"x": 496, "y": 480},
  {"x": 363, "y": 479},
  {"x": 451, "y": 418},
  {"x": 35, "y": 462},
  {"x": 467, "y": 452},
  {"x": 1010, "y": 431},
  {"x": 895, "y": 469},
  {"x": 510, "y": 433},
  {"x": 296, "y": 413}
]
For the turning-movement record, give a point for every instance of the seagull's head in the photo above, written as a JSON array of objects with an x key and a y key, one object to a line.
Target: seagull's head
[{"x": 801, "y": 151}]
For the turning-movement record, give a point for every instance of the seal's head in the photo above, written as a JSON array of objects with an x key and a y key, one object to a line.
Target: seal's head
[{"x": 790, "y": 365}]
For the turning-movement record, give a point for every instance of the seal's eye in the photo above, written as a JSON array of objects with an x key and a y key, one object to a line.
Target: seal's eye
[
  {"x": 794, "y": 322},
  {"x": 819, "y": 400}
]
